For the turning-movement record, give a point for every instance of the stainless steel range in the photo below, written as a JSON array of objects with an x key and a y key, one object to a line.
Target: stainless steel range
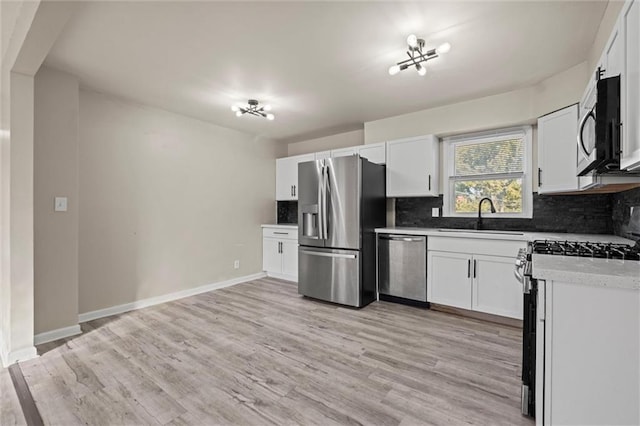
[{"x": 599, "y": 250}]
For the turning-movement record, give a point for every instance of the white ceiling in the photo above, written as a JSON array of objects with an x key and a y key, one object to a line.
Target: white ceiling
[{"x": 322, "y": 65}]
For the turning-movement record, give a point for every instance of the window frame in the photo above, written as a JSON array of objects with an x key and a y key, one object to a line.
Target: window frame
[{"x": 449, "y": 178}]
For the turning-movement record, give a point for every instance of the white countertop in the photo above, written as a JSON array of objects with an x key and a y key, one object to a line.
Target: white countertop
[
  {"x": 587, "y": 271},
  {"x": 281, "y": 225},
  {"x": 505, "y": 235}
]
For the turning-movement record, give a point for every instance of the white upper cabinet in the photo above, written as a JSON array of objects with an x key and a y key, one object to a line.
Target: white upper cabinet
[
  {"x": 629, "y": 26},
  {"x": 613, "y": 57},
  {"x": 344, "y": 152},
  {"x": 557, "y": 151},
  {"x": 376, "y": 153},
  {"x": 287, "y": 176},
  {"x": 412, "y": 167},
  {"x": 322, "y": 155}
]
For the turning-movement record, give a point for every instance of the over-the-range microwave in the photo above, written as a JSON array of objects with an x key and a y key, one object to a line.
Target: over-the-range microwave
[{"x": 599, "y": 129}]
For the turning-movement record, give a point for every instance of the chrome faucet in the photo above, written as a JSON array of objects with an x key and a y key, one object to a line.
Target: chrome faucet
[{"x": 493, "y": 210}]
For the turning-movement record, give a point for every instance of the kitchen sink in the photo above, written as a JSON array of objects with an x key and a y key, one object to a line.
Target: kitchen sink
[{"x": 481, "y": 231}]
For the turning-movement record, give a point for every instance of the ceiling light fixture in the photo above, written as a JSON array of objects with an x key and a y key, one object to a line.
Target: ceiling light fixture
[
  {"x": 253, "y": 108},
  {"x": 417, "y": 55}
]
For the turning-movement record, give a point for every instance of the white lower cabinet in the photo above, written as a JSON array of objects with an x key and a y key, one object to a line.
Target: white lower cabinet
[
  {"x": 448, "y": 282},
  {"x": 478, "y": 277},
  {"x": 495, "y": 289},
  {"x": 280, "y": 252}
]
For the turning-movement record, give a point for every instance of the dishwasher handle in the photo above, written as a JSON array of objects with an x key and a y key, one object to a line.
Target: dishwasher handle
[{"x": 407, "y": 238}]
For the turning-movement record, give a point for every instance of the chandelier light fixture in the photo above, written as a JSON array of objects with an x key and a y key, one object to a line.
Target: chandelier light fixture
[
  {"x": 417, "y": 55},
  {"x": 253, "y": 108}
]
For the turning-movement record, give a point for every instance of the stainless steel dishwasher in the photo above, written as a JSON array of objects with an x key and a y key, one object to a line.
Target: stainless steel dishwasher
[{"x": 402, "y": 267}]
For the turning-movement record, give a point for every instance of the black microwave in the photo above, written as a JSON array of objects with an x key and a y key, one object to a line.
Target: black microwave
[{"x": 599, "y": 129}]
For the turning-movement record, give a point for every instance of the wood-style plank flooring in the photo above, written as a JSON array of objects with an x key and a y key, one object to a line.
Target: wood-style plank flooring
[
  {"x": 10, "y": 410},
  {"x": 258, "y": 353}
]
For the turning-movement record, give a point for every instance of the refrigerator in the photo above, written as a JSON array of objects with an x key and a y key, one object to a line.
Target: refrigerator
[{"x": 340, "y": 203}]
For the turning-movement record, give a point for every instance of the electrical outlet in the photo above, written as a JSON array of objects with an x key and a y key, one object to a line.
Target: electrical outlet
[
  {"x": 236, "y": 264},
  {"x": 435, "y": 212}
]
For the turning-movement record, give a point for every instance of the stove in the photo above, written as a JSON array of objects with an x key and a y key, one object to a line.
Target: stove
[
  {"x": 523, "y": 270},
  {"x": 586, "y": 249}
]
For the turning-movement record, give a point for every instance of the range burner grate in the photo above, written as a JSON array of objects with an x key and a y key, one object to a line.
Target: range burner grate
[{"x": 586, "y": 249}]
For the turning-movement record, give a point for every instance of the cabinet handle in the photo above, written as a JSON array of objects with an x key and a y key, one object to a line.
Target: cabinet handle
[
  {"x": 291, "y": 190},
  {"x": 294, "y": 190},
  {"x": 281, "y": 233},
  {"x": 474, "y": 268},
  {"x": 279, "y": 246},
  {"x": 468, "y": 268},
  {"x": 429, "y": 182},
  {"x": 539, "y": 176}
]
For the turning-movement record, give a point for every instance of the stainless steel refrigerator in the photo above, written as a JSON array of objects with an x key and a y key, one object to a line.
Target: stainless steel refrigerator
[{"x": 340, "y": 203}]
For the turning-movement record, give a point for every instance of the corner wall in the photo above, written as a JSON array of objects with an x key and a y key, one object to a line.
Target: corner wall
[
  {"x": 55, "y": 174},
  {"x": 167, "y": 203}
]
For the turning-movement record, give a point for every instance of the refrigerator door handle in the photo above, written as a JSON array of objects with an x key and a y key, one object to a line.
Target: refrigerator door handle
[
  {"x": 323, "y": 254},
  {"x": 320, "y": 204},
  {"x": 325, "y": 189}
]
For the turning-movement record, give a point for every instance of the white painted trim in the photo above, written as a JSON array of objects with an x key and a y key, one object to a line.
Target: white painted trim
[
  {"x": 3, "y": 352},
  {"x": 282, "y": 276},
  {"x": 144, "y": 303},
  {"x": 60, "y": 333},
  {"x": 23, "y": 354},
  {"x": 7, "y": 358}
]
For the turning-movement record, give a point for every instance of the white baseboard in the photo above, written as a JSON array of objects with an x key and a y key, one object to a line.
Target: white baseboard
[
  {"x": 23, "y": 354},
  {"x": 9, "y": 358},
  {"x": 283, "y": 276},
  {"x": 144, "y": 303},
  {"x": 60, "y": 333}
]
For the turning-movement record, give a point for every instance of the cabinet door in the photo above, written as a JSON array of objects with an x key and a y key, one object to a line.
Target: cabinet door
[
  {"x": 344, "y": 152},
  {"x": 449, "y": 279},
  {"x": 557, "y": 151},
  {"x": 412, "y": 167},
  {"x": 376, "y": 153},
  {"x": 290, "y": 258},
  {"x": 287, "y": 176},
  {"x": 495, "y": 289},
  {"x": 630, "y": 90},
  {"x": 271, "y": 257},
  {"x": 613, "y": 60}
]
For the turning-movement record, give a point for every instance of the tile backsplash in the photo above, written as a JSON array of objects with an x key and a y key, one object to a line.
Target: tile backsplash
[
  {"x": 588, "y": 214},
  {"x": 557, "y": 213},
  {"x": 624, "y": 223},
  {"x": 287, "y": 212}
]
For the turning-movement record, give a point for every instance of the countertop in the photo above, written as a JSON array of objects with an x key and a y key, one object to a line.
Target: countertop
[
  {"x": 587, "y": 271},
  {"x": 583, "y": 270},
  {"x": 280, "y": 225},
  {"x": 504, "y": 235}
]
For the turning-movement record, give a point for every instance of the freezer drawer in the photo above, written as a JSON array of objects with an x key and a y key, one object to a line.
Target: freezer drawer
[
  {"x": 402, "y": 266},
  {"x": 330, "y": 274}
]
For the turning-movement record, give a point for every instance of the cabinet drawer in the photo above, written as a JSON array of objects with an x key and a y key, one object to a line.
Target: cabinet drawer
[
  {"x": 505, "y": 248},
  {"x": 283, "y": 234}
]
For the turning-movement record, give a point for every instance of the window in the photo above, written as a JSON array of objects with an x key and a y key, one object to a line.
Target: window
[{"x": 495, "y": 165}]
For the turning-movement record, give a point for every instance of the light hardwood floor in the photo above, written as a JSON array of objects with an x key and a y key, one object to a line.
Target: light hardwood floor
[
  {"x": 10, "y": 410},
  {"x": 258, "y": 353}
]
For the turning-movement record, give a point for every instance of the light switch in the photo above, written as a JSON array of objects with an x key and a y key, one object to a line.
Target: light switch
[
  {"x": 435, "y": 212},
  {"x": 60, "y": 204}
]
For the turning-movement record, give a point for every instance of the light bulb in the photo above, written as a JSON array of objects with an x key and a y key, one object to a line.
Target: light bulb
[
  {"x": 412, "y": 40},
  {"x": 395, "y": 69},
  {"x": 238, "y": 113},
  {"x": 267, "y": 107},
  {"x": 443, "y": 48},
  {"x": 270, "y": 116},
  {"x": 421, "y": 70},
  {"x": 235, "y": 108}
]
